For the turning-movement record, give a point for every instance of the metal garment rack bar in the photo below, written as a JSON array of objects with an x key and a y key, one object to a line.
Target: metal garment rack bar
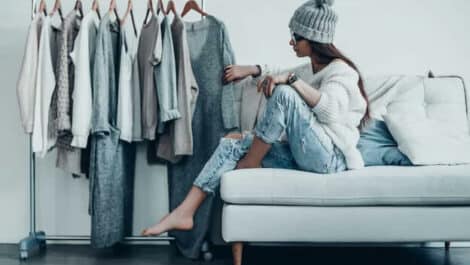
[{"x": 36, "y": 241}]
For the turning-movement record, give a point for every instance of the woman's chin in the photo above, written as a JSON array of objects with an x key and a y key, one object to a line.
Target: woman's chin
[{"x": 299, "y": 54}]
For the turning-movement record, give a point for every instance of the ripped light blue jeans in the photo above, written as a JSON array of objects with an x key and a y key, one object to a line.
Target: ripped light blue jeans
[{"x": 308, "y": 148}]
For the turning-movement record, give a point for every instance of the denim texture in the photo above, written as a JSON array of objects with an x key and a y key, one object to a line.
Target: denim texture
[
  {"x": 378, "y": 147},
  {"x": 308, "y": 148}
]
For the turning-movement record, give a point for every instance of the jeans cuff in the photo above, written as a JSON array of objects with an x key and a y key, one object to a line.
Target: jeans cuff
[
  {"x": 263, "y": 137},
  {"x": 204, "y": 188}
]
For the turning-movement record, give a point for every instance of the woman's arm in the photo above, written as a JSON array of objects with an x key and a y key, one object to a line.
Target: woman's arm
[
  {"x": 310, "y": 95},
  {"x": 234, "y": 73}
]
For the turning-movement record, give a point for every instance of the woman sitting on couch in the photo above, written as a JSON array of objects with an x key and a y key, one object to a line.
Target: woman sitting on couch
[{"x": 321, "y": 119}]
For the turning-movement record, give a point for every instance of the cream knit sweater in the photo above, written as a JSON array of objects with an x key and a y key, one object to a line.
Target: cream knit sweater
[{"x": 341, "y": 106}]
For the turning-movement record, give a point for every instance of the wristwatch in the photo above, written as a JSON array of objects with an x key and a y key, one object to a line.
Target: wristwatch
[{"x": 292, "y": 78}]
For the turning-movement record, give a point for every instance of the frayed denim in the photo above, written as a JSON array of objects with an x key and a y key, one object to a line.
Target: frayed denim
[{"x": 308, "y": 148}]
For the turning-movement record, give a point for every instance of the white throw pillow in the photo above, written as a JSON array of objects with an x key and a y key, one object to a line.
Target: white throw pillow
[{"x": 429, "y": 142}]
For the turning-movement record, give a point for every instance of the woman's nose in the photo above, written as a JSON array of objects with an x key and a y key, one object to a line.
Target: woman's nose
[{"x": 291, "y": 42}]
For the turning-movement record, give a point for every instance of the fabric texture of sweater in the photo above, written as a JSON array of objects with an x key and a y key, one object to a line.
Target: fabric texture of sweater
[
  {"x": 82, "y": 57},
  {"x": 340, "y": 108},
  {"x": 26, "y": 85},
  {"x": 177, "y": 141},
  {"x": 210, "y": 51},
  {"x": 68, "y": 157},
  {"x": 111, "y": 160},
  {"x": 70, "y": 28}
]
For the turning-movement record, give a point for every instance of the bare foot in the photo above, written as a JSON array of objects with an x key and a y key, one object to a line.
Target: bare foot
[
  {"x": 172, "y": 221},
  {"x": 246, "y": 163}
]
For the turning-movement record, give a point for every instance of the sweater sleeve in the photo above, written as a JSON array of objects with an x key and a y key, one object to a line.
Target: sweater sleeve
[
  {"x": 26, "y": 81},
  {"x": 230, "y": 116},
  {"x": 334, "y": 100},
  {"x": 165, "y": 74},
  {"x": 100, "y": 109},
  {"x": 303, "y": 71},
  {"x": 63, "y": 88}
]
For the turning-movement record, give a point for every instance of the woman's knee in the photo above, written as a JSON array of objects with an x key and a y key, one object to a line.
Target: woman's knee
[{"x": 285, "y": 93}]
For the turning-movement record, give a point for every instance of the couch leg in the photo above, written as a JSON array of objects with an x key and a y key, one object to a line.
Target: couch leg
[
  {"x": 237, "y": 253},
  {"x": 447, "y": 245}
]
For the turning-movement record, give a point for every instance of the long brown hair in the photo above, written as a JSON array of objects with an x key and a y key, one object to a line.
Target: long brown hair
[{"x": 327, "y": 53}]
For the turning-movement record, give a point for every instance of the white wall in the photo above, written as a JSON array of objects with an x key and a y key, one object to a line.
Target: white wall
[{"x": 397, "y": 36}]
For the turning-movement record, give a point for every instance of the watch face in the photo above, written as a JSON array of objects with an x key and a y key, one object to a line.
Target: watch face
[{"x": 292, "y": 79}]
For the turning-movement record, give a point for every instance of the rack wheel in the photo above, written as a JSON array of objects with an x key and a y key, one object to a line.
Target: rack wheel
[{"x": 208, "y": 256}]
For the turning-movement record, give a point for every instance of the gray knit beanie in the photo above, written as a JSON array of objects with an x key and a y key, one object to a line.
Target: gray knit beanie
[{"x": 315, "y": 20}]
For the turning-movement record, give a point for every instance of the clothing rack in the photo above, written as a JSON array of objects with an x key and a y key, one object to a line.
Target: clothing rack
[{"x": 36, "y": 241}]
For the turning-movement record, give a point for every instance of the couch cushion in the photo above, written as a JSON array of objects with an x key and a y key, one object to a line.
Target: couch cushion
[
  {"x": 380, "y": 185},
  {"x": 426, "y": 116}
]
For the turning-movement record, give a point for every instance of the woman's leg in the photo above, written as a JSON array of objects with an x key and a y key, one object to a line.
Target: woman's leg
[
  {"x": 180, "y": 218},
  {"x": 225, "y": 158},
  {"x": 311, "y": 148}
]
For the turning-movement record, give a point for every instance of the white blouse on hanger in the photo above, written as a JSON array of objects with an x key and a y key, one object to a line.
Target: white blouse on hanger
[
  {"x": 26, "y": 85},
  {"x": 82, "y": 54},
  {"x": 129, "y": 107},
  {"x": 43, "y": 137}
]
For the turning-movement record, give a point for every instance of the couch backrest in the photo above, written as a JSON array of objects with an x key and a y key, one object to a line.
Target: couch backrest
[{"x": 440, "y": 98}]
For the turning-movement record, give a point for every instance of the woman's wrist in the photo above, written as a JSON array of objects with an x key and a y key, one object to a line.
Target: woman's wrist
[{"x": 282, "y": 79}]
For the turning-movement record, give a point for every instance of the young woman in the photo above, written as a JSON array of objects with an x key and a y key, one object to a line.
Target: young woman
[{"x": 321, "y": 119}]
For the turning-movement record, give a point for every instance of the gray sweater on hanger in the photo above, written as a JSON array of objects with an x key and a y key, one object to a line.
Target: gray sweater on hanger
[
  {"x": 111, "y": 160},
  {"x": 214, "y": 116}
]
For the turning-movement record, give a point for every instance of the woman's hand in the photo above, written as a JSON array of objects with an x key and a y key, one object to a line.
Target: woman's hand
[
  {"x": 268, "y": 84},
  {"x": 234, "y": 73}
]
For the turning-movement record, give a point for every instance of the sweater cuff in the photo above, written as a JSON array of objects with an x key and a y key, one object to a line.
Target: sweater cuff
[
  {"x": 262, "y": 74},
  {"x": 79, "y": 141},
  {"x": 149, "y": 133},
  {"x": 170, "y": 115}
]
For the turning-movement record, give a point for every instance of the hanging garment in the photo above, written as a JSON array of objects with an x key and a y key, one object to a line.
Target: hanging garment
[
  {"x": 25, "y": 88},
  {"x": 82, "y": 56},
  {"x": 165, "y": 78},
  {"x": 210, "y": 51},
  {"x": 111, "y": 160},
  {"x": 129, "y": 108},
  {"x": 147, "y": 58},
  {"x": 68, "y": 157},
  {"x": 178, "y": 139},
  {"x": 44, "y": 138}
]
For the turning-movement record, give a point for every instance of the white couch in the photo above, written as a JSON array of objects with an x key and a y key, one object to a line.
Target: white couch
[{"x": 375, "y": 204}]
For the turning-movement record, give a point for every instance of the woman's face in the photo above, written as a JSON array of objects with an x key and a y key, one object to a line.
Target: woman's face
[{"x": 300, "y": 45}]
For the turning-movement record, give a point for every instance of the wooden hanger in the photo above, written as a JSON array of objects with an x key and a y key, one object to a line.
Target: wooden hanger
[
  {"x": 42, "y": 7},
  {"x": 57, "y": 7},
  {"x": 96, "y": 8},
  {"x": 160, "y": 7},
  {"x": 112, "y": 8},
  {"x": 149, "y": 10},
  {"x": 79, "y": 7},
  {"x": 192, "y": 5},
  {"x": 171, "y": 7},
  {"x": 131, "y": 12}
]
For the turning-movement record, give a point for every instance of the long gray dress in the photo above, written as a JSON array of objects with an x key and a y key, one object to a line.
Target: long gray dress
[
  {"x": 214, "y": 116},
  {"x": 112, "y": 161}
]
